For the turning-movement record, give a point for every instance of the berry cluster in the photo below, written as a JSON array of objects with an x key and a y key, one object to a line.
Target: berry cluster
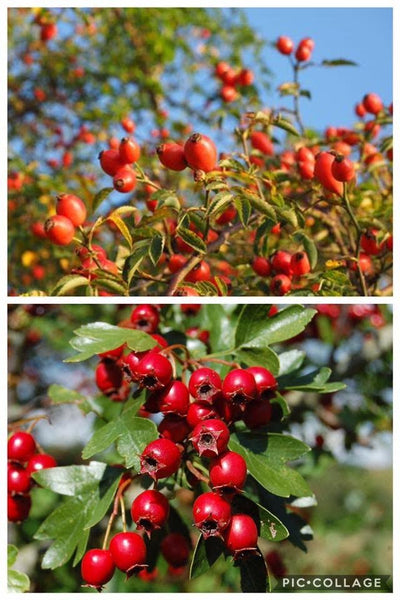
[
  {"x": 71, "y": 213},
  {"x": 194, "y": 433},
  {"x": 23, "y": 460},
  {"x": 198, "y": 152},
  {"x": 285, "y": 45},
  {"x": 231, "y": 79},
  {"x": 117, "y": 162},
  {"x": 284, "y": 269}
]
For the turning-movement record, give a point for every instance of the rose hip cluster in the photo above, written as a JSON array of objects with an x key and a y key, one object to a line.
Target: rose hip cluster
[
  {"x": 285, "y": 45},
  {"x": 284, "y": 269},
  {"x": 194, "y": 428},
  {"x": 117, "y": 162},
  {"x": 231, "y": 79},
  {"x": 23, "y": 460},
  {"x": 199, "y": 153}
]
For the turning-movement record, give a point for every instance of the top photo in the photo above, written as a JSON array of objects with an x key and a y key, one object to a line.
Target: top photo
[{"x": 200, "y": 152}]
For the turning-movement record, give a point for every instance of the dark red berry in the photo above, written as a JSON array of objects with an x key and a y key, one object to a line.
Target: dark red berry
[
  {"x": 18, "y": 479},
  {"x": 205, "y": 385},
  {"x": 161, "y": 458},
  {"x": 300, "y": 264},
  {"x": 18, "y": 507},
  {"x": 172, "y": 156},
  {"x": 40, "y": 461},
  {"x": 228, "y": 472},
  {"x": 145, "y": 317},
  {"x": 150, "y": 510},
  {"x": 175, "y": 549},
  {"x": 257, "y": 414},
  {"x": 199, "y": 411},
  {"x": 108, "y": 376},
  {"x": 211, "y": 514},
  {"x": 174, "y": 428},
  {"x": 210, "y": 437},
  {"x": 241, "y": 536},
  {"x": 97, "y": 567},
  {"x": 154, "y": 371},
  {"x": 239, "y": 387},
  {"x": 128, "y": 551},
  {"x": 174, "y": 399},
  {"x": 21, "y": 446}
]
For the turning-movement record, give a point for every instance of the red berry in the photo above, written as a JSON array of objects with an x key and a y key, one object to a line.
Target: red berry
[
  {"x": 284, "y": 45},
  {"x": 40, "y": 461},
  {"x": 190, "y": 309},
  {"x": 128, "y": 124},
  {"x": 174, "y": 428},
  {"x": 257, "y": 414},
  {"x": 154, "y": 371},
  {"x": 261, "y": 266},
  {"x": 129, "y": 151},
  {"x": 145, "y": 317},
  {"x": 110, "y": 161},
  {"x": 369, "y": 242},
  {"x": 343, "y": 169},
  {"x": 172, "y": 156},
  {"x": 150, "y": 510},
  {"x": 174, "y": 399},
  {"x": 21, "y": 446},
  {"x": 229, "y": 77},
  {"x": 108, "y": 376},
  {"x": 201, "y": 272},
  {"x": 280, "y": 285},
  {"x": 128, "y": 551},
  {"x": 176, "y": 262},
  {"x": 260, "y": 141},
  {"x": 372, "y": 103},
  {"x": 265, "y": 381},
  {"x": 281, "y": 262},
  {"x": 37, "y": 229},
  {"x": 198, "y": 334},
  {"x": 242, "y": 535},
  {"x": 114, "y": 354},
  {"x": 124, "y": 179},
  {"x": 221, "y": 68},
  {"x": 97, "y": 567},
  {"x": 300, "y": 264},
  {"x": 59, "y": 230},
  {"x": 72, "y": 207},
  {"x": 200, "y": 152},
  {"x": 304, "y": 50},
  {"x": 175, "y": 549},
  {"x": 323, "y": 172},
  {"x": 365, "y": 264},
  {"x": 239, "y": 387},
  {"x": 245, "y": 77},
  {"x": 210, "y": 437},
  {"x": 227, "y": 216},
  {"x": 360, "y": 110},
  {"x": 199, "y": 411},
  {"x": 18, "y": 507},
  {"x": 228, "y": 472},
  {"x": 228, "y": 93},
  {"x": 205, "y": 385},
  {"x": 211, "y": 514},
  {"x": 18, "y": 479},
  {"x": 160, "y": 459}
]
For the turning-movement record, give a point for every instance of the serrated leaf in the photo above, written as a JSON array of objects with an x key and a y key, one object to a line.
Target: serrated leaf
[
  {"x": 121, "y": 225},
  {"x": 193, "y": 240},
  {"x": 259, "y": 204},
  {"x": 133, "y": 262},
  {"x": 205, "y": 554},
  {"x": 290, "y": 361},
  {"x": 100, "y": 197},
  {"x": 243, "y": 208},
  {"x": 111, "y": 285},
  {"x": 219, "y": 203},
  {"x": 59, "y": 394},
  {"x": 253, "y": 357},
  {"x": 315, "y": 381},
  {"x": 17, "y": 582},
  {"x": 68, "y": 283},
  {"x": 156, "y": 248}
]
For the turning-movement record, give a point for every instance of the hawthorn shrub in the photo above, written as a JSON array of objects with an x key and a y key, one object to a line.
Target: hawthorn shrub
[
  {"x": 252, "y": 202},
  {"x": 192, "y": 425}
]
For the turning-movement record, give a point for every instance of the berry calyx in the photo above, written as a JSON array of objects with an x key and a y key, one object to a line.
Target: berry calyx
[
  {"x": 97, "y": 567},
  {"x": 210, "y": 437},
  {"x": 161, "y": 458},
  {"x": 128, "y": 551},
  {"x": 205, "y": 385},
  {"x": 153, "y": 371},
  {"x": 21, "y": 446},
  {"x": 150, "y": 510},
  {"x": 239, "y": 387},
  {"x": 145, "y": 317},
  {"x": 228, "y": 473},
  {"x": 211, "y": 514}
]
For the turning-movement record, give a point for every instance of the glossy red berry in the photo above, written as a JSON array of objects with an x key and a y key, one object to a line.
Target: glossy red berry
[
  {"x": 174, "y": 399},
  {"x": 108, "y": 376},
  {"x": 369, "y": 242},
  {"x": 300, "y": 264},
  {"x": 161, "y": 458},
  {"x": 174, "y": 428},
  {"x": 175, "y": 548},
  {"x": 172, "y": 156},
  {"x": 246, "y": 77},
  {"x": 40, "y": 461},
  {"x": 201, "y": 272},
  {"x": 228, "y": 472},
  {"x": 154, "y": 371},
  {"x": 18, "y": 507},
  {"x": 97, "y": 567},
  {"x": 372, "y": 103},
  {"x": 261, "y": 266},
  {"x": 241, "y": 536},
  {"x": 59, "y": 230},
  {"x": 260, "y": 141},
  {"x": 200, "y": 152},
  {"x": 128, "y": 551},
  {"x": 21, "y": 446},
  {"x": 150, "y": 510},
  {"x": 18, "y": 479},
  {"x": 365, "y": 264},
  {"x": 72, "y": 207},
  {"x": 284, "y": 45},
  {"x": 211, "y": 514},
  {"x": 128, "y": 124},
  {"x": 281, "y": 262},
  {"x": 229, "y": 93},
  {"x": 257, "y": 414},
  {"x": 145, "y": 317},
  {"x": 265, "y": 381},
  {"x": 124, "y": 179},
  {"x": 239, "y": 387},
  {"x": 129, "y": 151},
  {"x": 343, "y": 169},
  {"x": 199, "y": 411},
  {"x": 176, "y": 262},
  {"x": 210, "y": 437},
  {"x": 304, "y": 50},
  {"x": 280, "y": 285},
  {"x": 205, "y": 385},
  {"x": 323, "y": 173},
  {"x": 110, "y": 161}
]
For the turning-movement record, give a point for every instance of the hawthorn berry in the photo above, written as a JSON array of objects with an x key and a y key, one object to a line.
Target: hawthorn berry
[
  {"x": 239, "y": 387},
  {"x": 245, "y": 77},
  {"x": 227, "y": 216},
  {"x": 72, "y": 207},
  {"x": 201, "y": 272},
  {"x": 241, "y": 536},
  {"x": 260, "y": 141},
  {"x": 176, "y": 262},
  {"x": 210, "y": 437},
  {"x": 18, "y": 479},
  {"x": 59, "y": 230},
  {"x": 40, "y": 461},
  {"x": 124, "y": 179},
  {"x": 343, "y": 168},
  {"x": 221, "y": 68},
  {"x": 18, "y": 507},
  {"x": 161, "y": 458},
  {"x": 211, "y": 514},
  {"x": 128, "y": 551},
  {"x": 199, "y": 411},
  {"x": 281, "y": 262},
  {"x": 145, "y": 317},
  {"x": 205, "y": 385},
  {"x": 110, "y": 161},
  {"x": 257, "y": 414},
  {"x": 172, "y": 156},
  {"x": 150, "y": 510},
  {"x": 228, "y": 472},
  {"x": 129, "y": 151},
  {"x": 261, "y": 266},
  {"x": 280, "y": 285},
  {"x": 154, "y": 371},
  {"x": 229, "y": 93},
  {"x": 265, "y": 381},
  {"x": 174, "y": 399},
  {"x": 97, "y": 567},
  {"x": 369, "y": 242},
  {"x": 200, "y": 153},
  {"x": 114, "y": 353},
  {"x": 300, "y": 264},
  {"x": 21, "y": 446},
  {"x": 284, "y": 45},
  {"x": 108, "y": 376},
  {"x": 175, "y": 548},
  {"x": 174, "y": 428}
]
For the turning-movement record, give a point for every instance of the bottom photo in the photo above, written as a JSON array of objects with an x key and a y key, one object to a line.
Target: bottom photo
[{"x": 199, "y": 448}]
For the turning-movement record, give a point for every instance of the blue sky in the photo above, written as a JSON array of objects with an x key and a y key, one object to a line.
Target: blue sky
[{"x": 363, "y": 35}]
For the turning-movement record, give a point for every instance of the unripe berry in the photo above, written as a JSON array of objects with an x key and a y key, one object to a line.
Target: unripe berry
[
  {"x": 97, "y": 567},
  {"x": 205, "y": 385},
  {"x": 145, "y": 317},
  {"x": 200, "y": 153},
  {"x": 128, "y": 551},
  {"x": 129, "y": 151},
  {"x": 239, "y": 387},
  {"x": 150, "y": 510},
  {"x": 172, "y": 156},
  {"x": 284, "y": 45},
  {"x": 210, "y": 437},
  {"x": 211, "y": 514},
  {"x": 175, "y": 549},
  {"x": 228, "y": 472},
  {"x": 21, "y": 446},
  {"x": 161, "y": 458},
  {"x": 125, "y": 180},
  {"x": 59, "y": 230},
  {"x": 241, "y": 536},
  {"x": 300, "y": 264}
]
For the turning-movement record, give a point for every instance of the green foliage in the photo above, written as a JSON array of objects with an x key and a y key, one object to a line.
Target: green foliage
[{"x": 17, "y": 582}]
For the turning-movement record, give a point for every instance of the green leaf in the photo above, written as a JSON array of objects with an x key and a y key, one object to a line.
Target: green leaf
[
  {"x": 133, "y": 262},
  {"x": 121, "y": 225},
  {"x": 281, "y": 401},
  {"x": 100, "y": 197},
  {"x": 67, "y": 284},
  {"x": 99, "y": 337},
  {"x": 284, "y": 124},
  {"x": 193, "y": 240},
  {"x": 205, "y": 555},
  {"x": 61, "y": 395},
  {"x": 253, "y": 574},
  {"x": 309, "y": 247},
  {"x": 259, "y": 204},
  {"x": 17, "y": 582},
  {"x": 12, "y": 553},
  {"x": 243, "y": 208},
  {"x": 219, "y": 324},
  {"x": 156, "y": 248},
  {"x": 256, "y": 330},
  {"x": 339, "y": 62},
  {"x": 254, "y": 357},
  {"x": 290, "y": 361},
  {"x": 266, "y": 456},
  {"x": 219, "y": 203},
  {"x": 315, "y": 381},
  {"x": 271, "y": 527}
]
